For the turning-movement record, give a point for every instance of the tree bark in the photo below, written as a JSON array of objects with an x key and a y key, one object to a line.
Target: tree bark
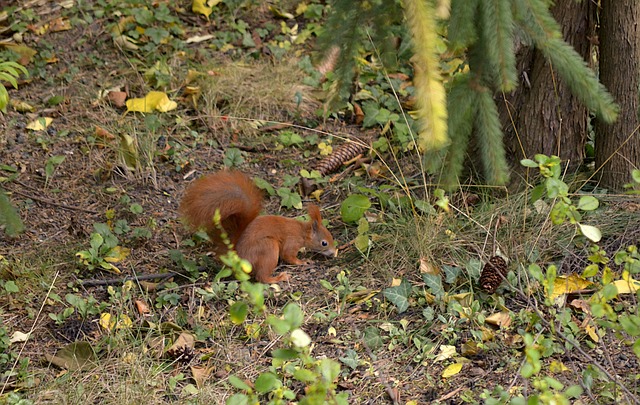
[
  {"x": 541, "y": 115},
  {"x": 620, "y": 73}
]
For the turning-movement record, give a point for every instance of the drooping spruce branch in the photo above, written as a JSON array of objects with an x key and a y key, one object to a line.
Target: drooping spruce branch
[
  {"x": 534, "y": 18},
  {"x": 430, "y": 96}
]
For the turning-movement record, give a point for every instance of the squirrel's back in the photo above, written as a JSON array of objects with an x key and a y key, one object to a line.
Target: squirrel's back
[{"x": 232, "y": 193}]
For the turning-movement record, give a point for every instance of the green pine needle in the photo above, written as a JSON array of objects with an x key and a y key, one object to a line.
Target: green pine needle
[
  {"x": 489, "y": 137},
  {"x": 497, "y": 33},
  {"x": 538, "y": 23}
]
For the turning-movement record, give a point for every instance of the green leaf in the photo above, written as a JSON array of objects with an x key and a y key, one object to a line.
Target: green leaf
[
  {"x": 635, "y": 175},
  {"x": 284, "y": 354},
  {"x": 434, "y": 283},
  {"x": 9, "y": 216},
  {"x": 588, "y": 203},
  {"x": 354, "y": 207},
  {"x": 264, "y": 185},
  {"x": 590, "y": 271},
  {"x": 372, "y": 337},
  {"x": 238, "y": 399},
  {"x": 630, "y": 324},
  {"x": 399, "y": 295},
  {"x": 136, "y": 209},
  {"x": 451, "y": 273},
  {"x": 537, "y": 192},
  {"x": 279, "y": 325},
  {"x": 573, "y": 391},
  {"x": 305, "y": 375},
  {"x": 289, "y": 199},
  {"x": 590, "y": 232},
  {"x": 636, "y": 348},
  {"x": 330, "y": 369},
  {"x": 529, "y": 163},
  {"x": 238, "y": 312},
  {"x": 267, "y": 382},
  {"x": 293, "y": 315},
  {"x": 11, "y": 287},
  {"x": 238, "y": 383}
]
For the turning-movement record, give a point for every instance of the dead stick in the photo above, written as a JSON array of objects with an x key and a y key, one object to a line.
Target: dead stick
[{"x": 55, "y": 204}]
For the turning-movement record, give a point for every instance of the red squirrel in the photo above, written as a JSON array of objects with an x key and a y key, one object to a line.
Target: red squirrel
[{"x": 260, "y": 239}]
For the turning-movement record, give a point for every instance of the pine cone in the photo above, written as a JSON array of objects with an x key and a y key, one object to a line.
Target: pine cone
[
  {"x": 342, "y": 154},
  {"x": 492, "y": 274},
  {"x": 182, "y": 354}
]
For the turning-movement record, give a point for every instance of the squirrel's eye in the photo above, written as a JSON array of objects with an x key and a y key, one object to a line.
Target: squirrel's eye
[{"x": 324, "y": 243}]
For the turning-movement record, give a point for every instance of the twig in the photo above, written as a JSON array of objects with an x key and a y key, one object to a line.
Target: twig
[
  {"x": 112, "y": 281},
  {"x": 55, "y": 204}
]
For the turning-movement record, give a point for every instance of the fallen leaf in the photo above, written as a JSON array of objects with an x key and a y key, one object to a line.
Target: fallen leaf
[
  {"x": 499, "y": 319},
  {"x": 451, "y": 370},
  {"x": 103, "y": 134},
  {"x": 396, "y": 282},
  {"x": 557, "y": 366},
  {"x": 446, "y": 352},
  {"x": 427, "y": 267},
  {"x": 142, "y": 307},
  {"x": 154, "y": 100},
  {"x": 40, "y": 124},
  {"x": 581, "y": 305},
  {"x": 200, "y": 375},
  {"x": 60, "y": 24},
  {"x": 18, "y": 337},
  {"x": 568, "y": 284},
  {"x": 199, "y": 38},
  {"x": 117, "y": 98},
  {"x": 26, "y": 53},
  {"x": 627, "y": 285},
  {"x": 21, "y": 106},
  {"x": 73, "y": 356}
]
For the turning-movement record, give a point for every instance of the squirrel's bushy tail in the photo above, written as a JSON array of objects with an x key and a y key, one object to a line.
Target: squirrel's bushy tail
[{"x": 231, "y": 192}]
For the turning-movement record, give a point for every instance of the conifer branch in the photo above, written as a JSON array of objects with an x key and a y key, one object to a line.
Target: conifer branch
[
  {"x": 489, "y": 137},
  {"x": 497, "y": 33},
  {"x": 461, "y": 106},
  {"x": 534, "y": 17},
  {"x": 430, "y": 94},
  {"x": 461, "y": 31}
]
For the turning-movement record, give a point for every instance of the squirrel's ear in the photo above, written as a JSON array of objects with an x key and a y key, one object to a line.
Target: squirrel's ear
[{"x": 314, "y": 213}]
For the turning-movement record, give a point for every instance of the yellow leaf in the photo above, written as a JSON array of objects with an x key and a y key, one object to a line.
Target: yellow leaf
[
  {"x": 446, "y": 352},
  {"x": 591, "y": 331},
  {"x": 627, "y": 285},
  {"x": 557, "y": 367},
  {"x": 204, "y": 7},
  {"x": 40, "y": 124},
  {"x": 568, "y": 284},
  {"x": 154, "y": 100},
  {"x": 124, "y": 322},
  {"x": 451, "y": 370},
  {"x": 106, "y": 322},
  {"x": 117, "y": 254}
]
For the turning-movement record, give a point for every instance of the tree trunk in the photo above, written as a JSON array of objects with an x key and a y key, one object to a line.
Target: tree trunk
[
  {"x": 541, "y": 115},
  {"x": 620, "y": 73}
]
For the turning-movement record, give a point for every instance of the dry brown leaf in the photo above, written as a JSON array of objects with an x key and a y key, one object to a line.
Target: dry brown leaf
[
  {"x": 499, "y": 319},
  {"x": 117, "y": 98},
  {"x": 200, "y": 375},
  {"x": 142, "y": 307},
  {"x": 427, "y": 267}
]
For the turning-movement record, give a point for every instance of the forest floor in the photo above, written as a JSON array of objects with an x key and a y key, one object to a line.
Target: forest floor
[{"x": 242, "y": 104}]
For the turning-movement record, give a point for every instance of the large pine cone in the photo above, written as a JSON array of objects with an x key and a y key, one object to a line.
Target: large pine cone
[{"x": 493, "y": 272}]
